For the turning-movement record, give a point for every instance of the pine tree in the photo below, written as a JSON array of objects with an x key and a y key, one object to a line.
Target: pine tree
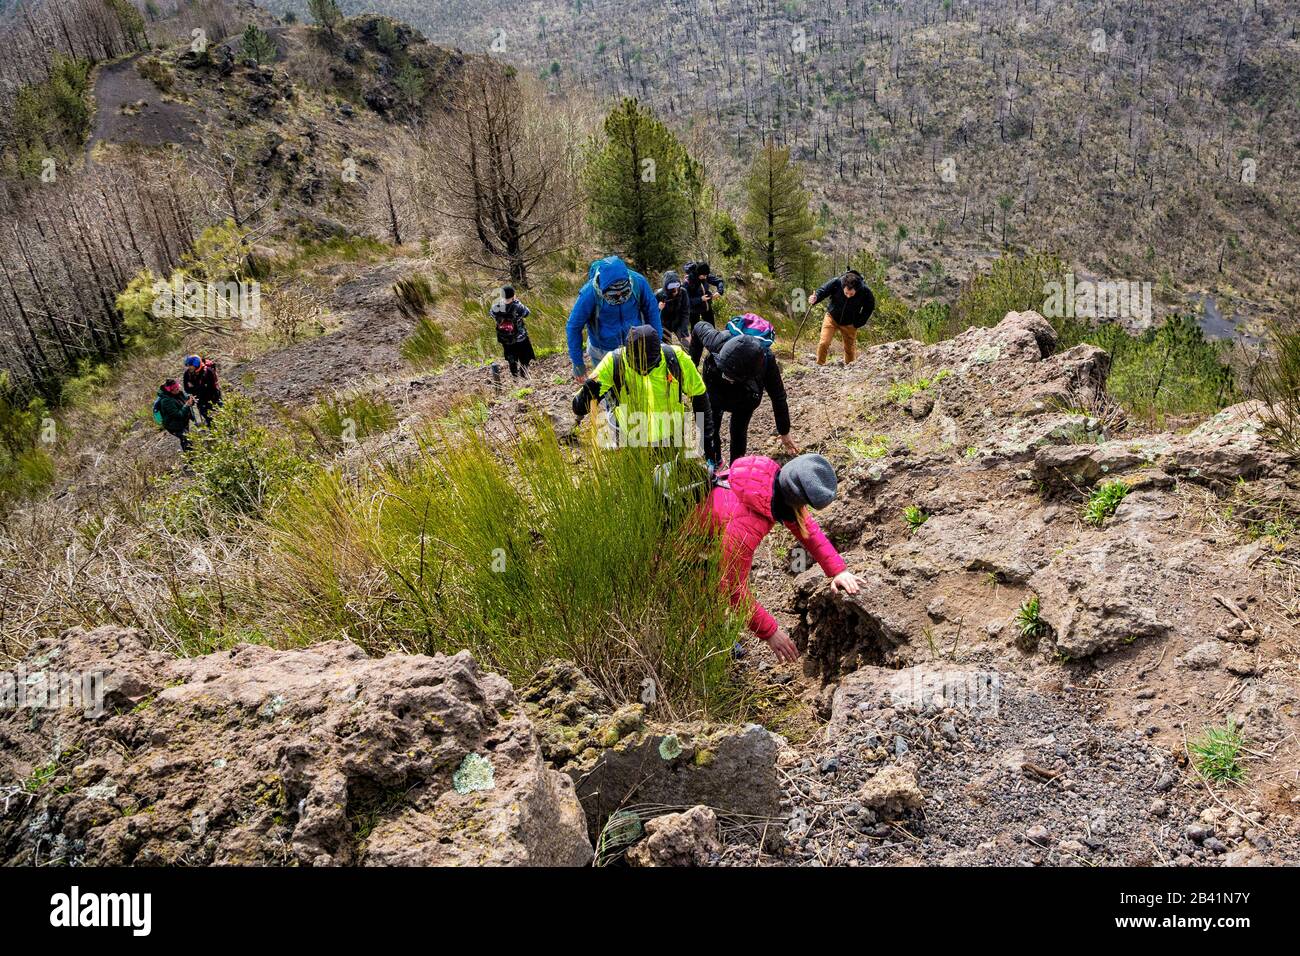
[
  {"x": 257, "y": 45},
  {"x": 326, "y": 13},
  {"x": 636, "y": 186},
  {"x": 778, "y": 225}
]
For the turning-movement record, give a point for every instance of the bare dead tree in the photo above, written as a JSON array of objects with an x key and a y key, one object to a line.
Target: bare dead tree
[{"x": 501, "y": 168}]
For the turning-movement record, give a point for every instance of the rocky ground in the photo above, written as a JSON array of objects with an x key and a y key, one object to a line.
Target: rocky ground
[{"x": 930, "y": 728}]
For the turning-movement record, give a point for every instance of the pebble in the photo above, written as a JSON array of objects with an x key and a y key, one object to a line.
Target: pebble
[
  {"x": 1197, "y": 832},
  {"x": 830, "y": 765},
  {"x": 1037, "y": 834},
  {"x": 1215, "y": 845},
  {"x": 1158, "y": 808},
  {"x": 1165, "y": 783}
]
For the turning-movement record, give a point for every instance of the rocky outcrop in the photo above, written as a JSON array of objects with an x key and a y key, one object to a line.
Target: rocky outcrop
[
  {"x": 621, "y": 758},
  {"x": 1227, "y": 447},
  {"x": 679, "y": 839},
  {"x": 320, "y": 756}
]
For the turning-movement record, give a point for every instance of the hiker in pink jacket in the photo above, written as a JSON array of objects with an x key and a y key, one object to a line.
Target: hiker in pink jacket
[{"x": 749, "y": 498}]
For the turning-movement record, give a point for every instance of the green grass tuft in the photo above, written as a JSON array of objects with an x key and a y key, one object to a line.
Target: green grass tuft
[
  {"x": 1103, "y": 501},
  {"x": 1216, "y": 754}
]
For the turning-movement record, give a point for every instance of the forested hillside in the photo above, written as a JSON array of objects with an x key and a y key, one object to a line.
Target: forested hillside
[{"x": 1151, "y": 141}]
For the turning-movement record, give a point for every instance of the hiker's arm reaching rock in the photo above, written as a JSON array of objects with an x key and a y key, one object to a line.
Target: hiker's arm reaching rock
[
  {"x": 819, "y": 546},
  {"x": 589, "y": 393}
]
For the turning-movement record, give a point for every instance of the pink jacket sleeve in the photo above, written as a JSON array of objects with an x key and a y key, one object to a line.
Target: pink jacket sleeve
[
  {"x": 736, "y": 562},
  {"x": 819, "y": 546}
]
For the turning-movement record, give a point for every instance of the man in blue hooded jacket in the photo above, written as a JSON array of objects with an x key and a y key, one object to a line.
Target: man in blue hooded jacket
[{"x": 614, "y": 301}]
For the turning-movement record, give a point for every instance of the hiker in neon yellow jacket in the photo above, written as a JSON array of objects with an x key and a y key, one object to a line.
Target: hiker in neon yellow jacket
[{"x": 648, "y": 384}]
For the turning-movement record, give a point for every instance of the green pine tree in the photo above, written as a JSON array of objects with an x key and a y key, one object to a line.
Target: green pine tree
[
  {"x": 635, "y": 180},
  {"x": 778, "y": 225},
  {"x": 257, "y": 45},
  {"x": 326, "y": 13}
]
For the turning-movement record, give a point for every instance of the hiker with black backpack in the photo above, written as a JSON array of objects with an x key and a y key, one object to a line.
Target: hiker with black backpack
[
  {"x": 648, "y": 386},
  {"x": 739, "y": 366},
  {"x": 173, "y": 411},
  {"x": 675, "y": 308},
  {"x": 202, "y": 383},
  {"x": 509, "y": 314},
  {"x": 614, "y": 300},
  {"x": 702, "y": 288},
  {"x": 849, "y": 303}
]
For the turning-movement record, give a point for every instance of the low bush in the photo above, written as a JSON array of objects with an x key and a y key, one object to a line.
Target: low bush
[{"x": 240, "y": 468}]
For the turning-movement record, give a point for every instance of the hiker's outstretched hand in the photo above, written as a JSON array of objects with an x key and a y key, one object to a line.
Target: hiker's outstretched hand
[
  {"x": 846, "y": 581},
  {"x": 782, "y": 646}
]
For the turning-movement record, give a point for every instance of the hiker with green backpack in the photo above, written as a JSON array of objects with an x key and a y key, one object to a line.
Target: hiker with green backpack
[
  {"x": 646, "y": 386},
  {"x": 173, "y": 411},
  {"x": 739, "y": 367}
]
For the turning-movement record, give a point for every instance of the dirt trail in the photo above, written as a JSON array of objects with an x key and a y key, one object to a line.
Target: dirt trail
[{"x": 131, "y": 110}]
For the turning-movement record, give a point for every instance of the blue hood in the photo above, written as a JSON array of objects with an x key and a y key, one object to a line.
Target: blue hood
[
  {"x": 610, "y": 269},
  {"x": 606, "y": 324}
]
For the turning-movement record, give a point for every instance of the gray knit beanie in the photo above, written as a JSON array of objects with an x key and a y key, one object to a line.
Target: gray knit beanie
[{"x": 808, "y": 480}]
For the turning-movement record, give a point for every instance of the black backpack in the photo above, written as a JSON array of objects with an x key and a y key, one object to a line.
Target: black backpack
[
  {"x": 507, "y": 325},
  {"x": 674, "y": 370}
]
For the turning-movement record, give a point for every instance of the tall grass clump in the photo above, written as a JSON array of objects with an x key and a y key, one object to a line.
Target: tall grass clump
[
  {"x": 26, "y": 466},
  {"x": 1279, "y": 384},
  {"x": 1216, "y": 754},
  {"x": 520, "y": 555},
  {"x": 347, "y": 419}
]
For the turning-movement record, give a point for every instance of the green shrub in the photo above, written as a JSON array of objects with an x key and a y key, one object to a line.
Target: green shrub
[
  {"x": 1170, "y": 369},
  {"x": 1280, "y": 387},
  {"x": 157, "y": 72},
  {"x": 52, "y": 117},
  {"x": 26, "y": 467},
  {"x": 240, "y": 468},
  {"x": 520, "y": 555},
  {"x": 1029, "y": 622},
  {"x": 914, "y": 517},
  {"x": 1012, "y": 284}
]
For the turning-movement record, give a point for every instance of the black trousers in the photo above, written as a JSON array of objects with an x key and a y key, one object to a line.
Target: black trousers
[{"x": 740, "y": 418}]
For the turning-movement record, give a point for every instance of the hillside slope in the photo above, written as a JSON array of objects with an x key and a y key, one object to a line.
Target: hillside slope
[{"x": 1144, "y": 142}]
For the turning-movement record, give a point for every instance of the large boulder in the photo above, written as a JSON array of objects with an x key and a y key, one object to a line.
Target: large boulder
[
  {"x": 620, "y": 757},
  {"x": 1227, "y": 447},
  {"x": 255, "y": 756},
  {"x": 1108, "y": 591},
  {"x": 839, "y": 632}
]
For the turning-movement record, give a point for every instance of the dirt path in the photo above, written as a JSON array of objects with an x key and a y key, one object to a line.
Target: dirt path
[{"x": 130, "y": 109}]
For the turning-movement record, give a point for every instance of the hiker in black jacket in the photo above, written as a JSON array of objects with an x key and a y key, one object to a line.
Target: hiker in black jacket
[
  {"x": 849, "y": 303},
  {"x": 675, "y": 308},
  {"x": 737, "y": 370},
  {"x": 509, "y": 314},
  {"x": 702, "y": 287}
]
